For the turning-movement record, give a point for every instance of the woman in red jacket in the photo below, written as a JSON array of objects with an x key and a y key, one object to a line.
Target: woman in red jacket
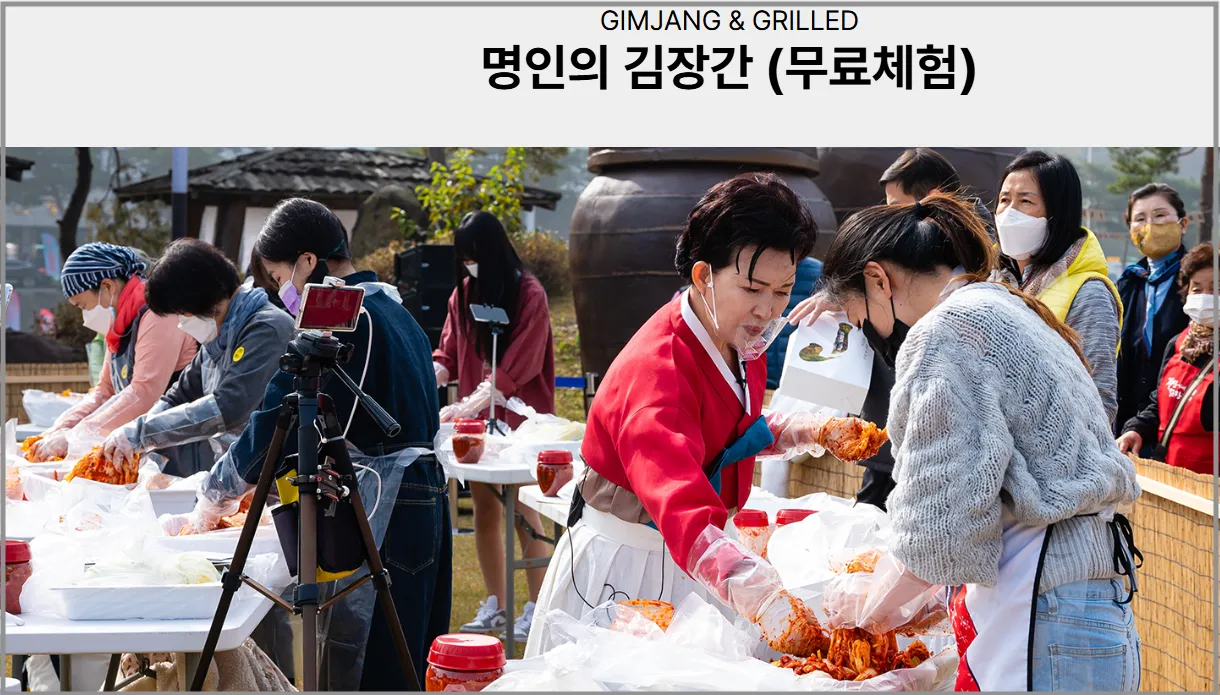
[
  {"x": 677, "y": 424},
  {"x": 1184, "y": 403},
  {"x": 525, "y": 368}
]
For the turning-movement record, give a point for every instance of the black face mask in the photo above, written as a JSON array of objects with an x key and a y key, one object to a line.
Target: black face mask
[{"x": 887, "y": 348}]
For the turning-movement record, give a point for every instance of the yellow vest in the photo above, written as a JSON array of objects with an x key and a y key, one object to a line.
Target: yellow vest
[{"x": 1089, "y": 265}]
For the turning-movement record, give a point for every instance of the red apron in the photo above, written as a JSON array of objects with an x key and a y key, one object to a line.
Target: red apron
[{"x": 1190, "y": 446}]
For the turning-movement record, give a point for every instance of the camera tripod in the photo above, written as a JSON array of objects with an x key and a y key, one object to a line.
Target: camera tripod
[{"x": 309, "y": 357}]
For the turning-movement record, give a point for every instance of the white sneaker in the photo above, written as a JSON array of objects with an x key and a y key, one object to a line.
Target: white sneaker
[
  {"x": 489, "y": 620},
  {"x": 521, "y": 628}
]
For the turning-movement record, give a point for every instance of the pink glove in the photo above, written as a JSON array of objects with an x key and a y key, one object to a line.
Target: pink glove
[{"x": 889, "y": 598}]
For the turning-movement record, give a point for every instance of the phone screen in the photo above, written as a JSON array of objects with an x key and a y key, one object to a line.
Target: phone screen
[{"x": 330, "y": 308}]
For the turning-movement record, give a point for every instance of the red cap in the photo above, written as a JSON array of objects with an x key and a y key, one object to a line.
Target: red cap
[
  {"x": 16, "y": 551},
  {"x": 467, "y": 652},
  {"x": 750, "y": 518},
  {"x": 555, "y": 458},
  {"x": 470, "y": 427},
  {"x": 791, "y": 516}
]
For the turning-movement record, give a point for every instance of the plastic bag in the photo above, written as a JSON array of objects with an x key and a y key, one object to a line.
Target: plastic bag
[
  {"x": 698, "y": 652},
  {"x": 810, "y": 552},
  {"x": 888, "y": 598},
  {"x": 344, "y": 628},
  {"x": 543, "y": 427},
  {"x": 44, "y": 407}
]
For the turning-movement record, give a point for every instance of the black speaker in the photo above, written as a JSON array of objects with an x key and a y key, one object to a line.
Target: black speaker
[
  {"x": 430, "y": 307},
  {"x": 428, "y": 265}
]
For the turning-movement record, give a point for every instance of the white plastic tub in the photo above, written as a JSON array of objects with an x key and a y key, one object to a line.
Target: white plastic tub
[
  {"x": 182, "y": 602},
  {"x": 172, "y": 501}
]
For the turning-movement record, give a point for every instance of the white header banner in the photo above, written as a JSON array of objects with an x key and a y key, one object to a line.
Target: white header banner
[{"x": 639, "y": 74}]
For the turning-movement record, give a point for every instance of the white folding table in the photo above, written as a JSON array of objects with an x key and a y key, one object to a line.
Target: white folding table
[
  {"x": 65, "y": 638},
  {"x": 512, "y": 476}
]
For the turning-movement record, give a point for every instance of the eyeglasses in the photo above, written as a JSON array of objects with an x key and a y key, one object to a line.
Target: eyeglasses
[{"x": 1157, "y": 218}]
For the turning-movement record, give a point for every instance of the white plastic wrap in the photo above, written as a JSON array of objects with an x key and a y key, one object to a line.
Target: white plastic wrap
[
  {"x": 123, "y": 597},
  {"x": 701, "y": 651},
  {"x": 888, "y": 598},
  {"x": 809, "y": 552},
  {"x": 44, "y": 407}
]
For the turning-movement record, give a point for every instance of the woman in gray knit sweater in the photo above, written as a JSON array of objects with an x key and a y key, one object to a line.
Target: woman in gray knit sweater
[{"x": 1007, "y": 479}]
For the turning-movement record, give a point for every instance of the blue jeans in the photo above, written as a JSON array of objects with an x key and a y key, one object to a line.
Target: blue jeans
[
  {"x": 418, "y": 552},
  {"x": 1085, "y": 640}
]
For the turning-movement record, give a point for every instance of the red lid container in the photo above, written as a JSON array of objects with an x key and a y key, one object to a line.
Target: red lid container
[
  {"x": 791, "y": 516},
  {"x": 750, "y": 518},
  {"x": 467, "y": 653},
  {"x": 470, "y": 427},
  {"x": 555, "y": 458},
  {"x": 16, "y": 552}
]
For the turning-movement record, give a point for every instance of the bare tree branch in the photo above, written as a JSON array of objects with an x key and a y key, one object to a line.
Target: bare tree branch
[{"x": 76, "y": 205}]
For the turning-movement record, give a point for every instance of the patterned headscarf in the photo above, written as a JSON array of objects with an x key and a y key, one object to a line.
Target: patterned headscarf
[{"x": 90, "y": 264}]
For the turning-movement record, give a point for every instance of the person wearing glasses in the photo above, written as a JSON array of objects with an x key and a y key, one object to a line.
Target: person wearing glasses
[{"x": 1151, "y": 291}]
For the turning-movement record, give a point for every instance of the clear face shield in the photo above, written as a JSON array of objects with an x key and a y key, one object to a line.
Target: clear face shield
[{"x": 750, "y": 338}]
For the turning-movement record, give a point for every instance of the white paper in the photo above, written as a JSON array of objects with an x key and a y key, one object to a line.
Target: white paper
[{"x": 828, "y": 364}]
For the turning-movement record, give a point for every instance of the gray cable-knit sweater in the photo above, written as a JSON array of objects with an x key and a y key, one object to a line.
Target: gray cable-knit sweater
[{"x": 992, "y": 408}]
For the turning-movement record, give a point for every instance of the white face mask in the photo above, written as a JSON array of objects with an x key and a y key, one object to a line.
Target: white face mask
[
  {"x": 202, "y": 330},
  {"x": 1201, "y": 308},
  {"x": 473, "y": 269},
  {"x": 1021, "y": 236},
  {"x": 748, "y": 347},
  {"x": 99, "y": 318}
]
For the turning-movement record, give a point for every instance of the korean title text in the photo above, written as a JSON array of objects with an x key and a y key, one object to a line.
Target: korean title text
[{"x": 698, "y": 65}]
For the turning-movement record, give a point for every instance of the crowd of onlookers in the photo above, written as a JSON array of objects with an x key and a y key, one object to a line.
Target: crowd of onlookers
[{"x": 1148, "y": 337}]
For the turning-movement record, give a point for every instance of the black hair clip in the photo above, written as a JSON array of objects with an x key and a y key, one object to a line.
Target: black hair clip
[{"x": 919, "y": 210}]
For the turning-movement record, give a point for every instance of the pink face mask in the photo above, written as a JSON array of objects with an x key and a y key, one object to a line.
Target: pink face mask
[{"x": 289, "y": 294}]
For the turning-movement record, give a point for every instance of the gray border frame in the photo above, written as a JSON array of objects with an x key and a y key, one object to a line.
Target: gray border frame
[{"x": 1214, "y": 4}]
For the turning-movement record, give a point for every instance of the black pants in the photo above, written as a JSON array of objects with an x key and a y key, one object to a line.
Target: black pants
[
  {"x": 418, "y": 552},
  {"x": 875, "y": 488}
]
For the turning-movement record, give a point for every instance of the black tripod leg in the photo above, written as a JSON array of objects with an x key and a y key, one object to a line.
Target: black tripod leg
[
  {"x": 337, "y": 450},
  {"x": 232, "y": 578}
]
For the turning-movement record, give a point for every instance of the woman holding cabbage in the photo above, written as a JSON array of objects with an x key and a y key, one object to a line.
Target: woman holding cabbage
[{"x": 677, "y": 423}]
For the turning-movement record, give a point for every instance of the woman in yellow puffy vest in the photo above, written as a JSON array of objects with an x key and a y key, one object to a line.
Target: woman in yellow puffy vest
[{"x": 1050, "y": 255}]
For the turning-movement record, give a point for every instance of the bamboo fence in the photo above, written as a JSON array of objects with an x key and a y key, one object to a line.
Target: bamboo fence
[{"x": 42, "y": 377}]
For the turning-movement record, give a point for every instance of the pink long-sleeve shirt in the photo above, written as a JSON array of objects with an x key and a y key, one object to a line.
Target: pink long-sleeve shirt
[
  {"x": 161, "y": 350},
  {"x": 528, "y": 368}
]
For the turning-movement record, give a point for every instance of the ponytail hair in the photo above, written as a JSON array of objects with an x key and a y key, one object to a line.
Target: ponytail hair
[{"x": 940, "y": 231}]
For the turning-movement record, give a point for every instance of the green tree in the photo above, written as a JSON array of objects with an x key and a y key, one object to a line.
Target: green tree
[
  {"x": 539, "y": 162},
  {"x": 1139, "y": 166},
  {"x": 455, "y": 191}
]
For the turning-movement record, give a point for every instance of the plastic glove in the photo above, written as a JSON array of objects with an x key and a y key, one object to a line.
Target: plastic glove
[
  {"x": 752, "y": 588},
  {"x": 889, "y": 598},
  {"x": 795, "y": 434},
  {"x": 849, "y": 439},
  {"x": 473, "y": 404},
  {"x": 51, "y": 446},
  {"x": 205, "y": 517},
  {"x": 442, "y": 373},
  {"x": 120, "y": 447}
]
